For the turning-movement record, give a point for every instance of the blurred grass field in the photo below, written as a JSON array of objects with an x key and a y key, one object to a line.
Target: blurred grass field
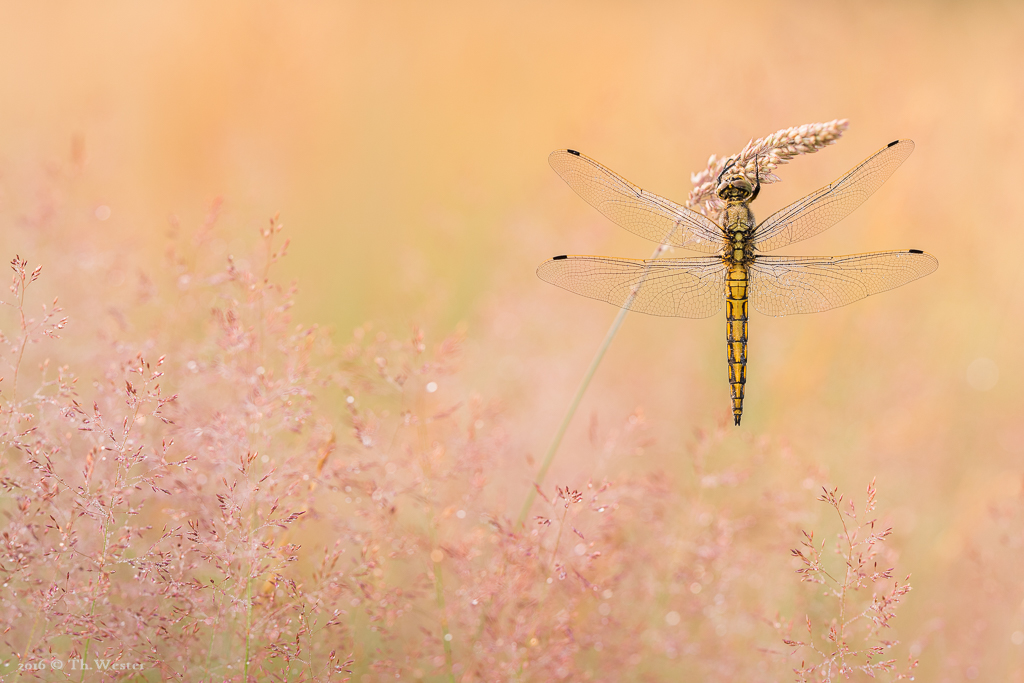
[{"x": 404, "y": 147}]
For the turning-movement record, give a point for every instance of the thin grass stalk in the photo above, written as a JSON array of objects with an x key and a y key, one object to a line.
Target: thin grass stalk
[
  {"x": 549, "y": 457},
  {"x": 447, "y": 644},
  {"x": 248, "y": 614},
  {"x": 120, "y": 481},
  {"x": 436, "y": 556}
]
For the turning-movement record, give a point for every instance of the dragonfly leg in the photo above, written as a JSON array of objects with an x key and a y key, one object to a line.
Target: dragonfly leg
[
  {"x": 757, "y": 181},
  {"x": 727, "y": 167}
]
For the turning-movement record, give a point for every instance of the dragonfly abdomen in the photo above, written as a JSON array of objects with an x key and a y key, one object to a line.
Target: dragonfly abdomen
[{"x": 736, "y": 333}]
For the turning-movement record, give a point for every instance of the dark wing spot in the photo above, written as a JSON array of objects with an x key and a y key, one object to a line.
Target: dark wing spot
[
  {"x": 572, "y": 151},
  {"x": 559, "y": 258},
  {"x": 892, "y": 143},
  {"x": 916, "y": 251}
]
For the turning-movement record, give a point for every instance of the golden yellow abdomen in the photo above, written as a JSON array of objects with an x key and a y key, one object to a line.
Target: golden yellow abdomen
[{"x": 736, "y": 333}]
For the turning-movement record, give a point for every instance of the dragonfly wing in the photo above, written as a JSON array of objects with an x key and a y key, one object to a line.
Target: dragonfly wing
[
  {"x": 825, "y": 207},
  {"x": 641, "y": 212},
  {"x": 784, "y": 285},
  {"x": 682, "y": 287}
]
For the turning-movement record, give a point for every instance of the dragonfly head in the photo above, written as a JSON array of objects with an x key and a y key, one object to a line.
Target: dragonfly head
[{"x": 734, "y": 186}]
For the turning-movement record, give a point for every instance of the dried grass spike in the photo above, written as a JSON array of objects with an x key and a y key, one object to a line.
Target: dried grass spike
[{"x": 769, "y": 152}]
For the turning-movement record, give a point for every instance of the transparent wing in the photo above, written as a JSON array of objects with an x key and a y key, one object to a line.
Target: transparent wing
[
  {"x": 642, "y": 213},
  {"x": 825, "y": 207},
  {"x": 784, "y": 285},
  {"x": 683, "y": 287}
]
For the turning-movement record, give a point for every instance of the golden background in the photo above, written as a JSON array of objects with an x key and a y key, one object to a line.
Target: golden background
[{"x": 404, "y": 147}]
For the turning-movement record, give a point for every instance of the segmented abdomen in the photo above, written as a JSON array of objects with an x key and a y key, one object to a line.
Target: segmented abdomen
[{"x": 736, "y": 333}]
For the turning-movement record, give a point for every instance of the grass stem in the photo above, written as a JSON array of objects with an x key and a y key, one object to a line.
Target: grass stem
[{"x": 549, "y": 457}]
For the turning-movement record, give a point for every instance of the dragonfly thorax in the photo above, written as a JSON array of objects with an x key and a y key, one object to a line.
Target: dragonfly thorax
[{"x": 737, "y": 221}]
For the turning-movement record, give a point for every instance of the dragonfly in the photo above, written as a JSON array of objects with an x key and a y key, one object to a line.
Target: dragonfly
[{"x": 736, "y": 272}]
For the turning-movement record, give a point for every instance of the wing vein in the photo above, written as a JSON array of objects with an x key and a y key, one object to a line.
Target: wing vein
[
  {"x": 641, "y": 212},
  {"x": 786, "y": 285},
  {"x": 828, "y": 205},
  {"x": 687, "y": 287}
]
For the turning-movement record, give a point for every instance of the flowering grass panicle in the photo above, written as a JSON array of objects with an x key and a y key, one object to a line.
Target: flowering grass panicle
[
  {"x": 763, "y": 155},
  {"x": 855, "y": 636},
  {"x": 151, "y": 526}
]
